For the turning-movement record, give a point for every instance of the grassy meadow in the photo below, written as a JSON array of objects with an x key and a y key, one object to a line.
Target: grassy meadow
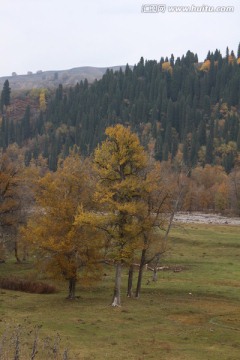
[{"x": 192, "y": 314}]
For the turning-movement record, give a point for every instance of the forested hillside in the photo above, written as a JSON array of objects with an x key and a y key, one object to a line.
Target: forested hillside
[{"x": 183, "y": 110}]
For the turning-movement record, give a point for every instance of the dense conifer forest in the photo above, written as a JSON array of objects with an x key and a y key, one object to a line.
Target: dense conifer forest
[{"x": 183, "y": 110}]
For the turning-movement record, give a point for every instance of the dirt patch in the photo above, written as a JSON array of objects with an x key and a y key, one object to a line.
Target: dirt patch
[{"x": 188, "y": 319}]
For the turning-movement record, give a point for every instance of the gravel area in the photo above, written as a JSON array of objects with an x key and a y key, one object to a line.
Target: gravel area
[{"x": 200, "y": 218}]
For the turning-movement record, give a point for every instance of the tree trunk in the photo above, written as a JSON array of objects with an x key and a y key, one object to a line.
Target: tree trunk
[
  {"x": 72, "y": 287},
  {"x": 25, "y": 254},
  {"x": 155, "y": 268},
  {"x": 116, "y": 294},
  {"x": 140, "y": 272},
  {"x": 155, "y": 274},
  {"x": 130, "y": 281},
  {"x": 16, "y": 252}
]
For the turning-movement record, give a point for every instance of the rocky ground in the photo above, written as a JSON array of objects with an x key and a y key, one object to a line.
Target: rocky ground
[{"x": 200, "y": 218}]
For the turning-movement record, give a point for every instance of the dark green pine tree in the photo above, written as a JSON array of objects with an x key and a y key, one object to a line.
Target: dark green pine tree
[
  {"x": 172, "y": 60},
  {"x": 165, "y": 151},
  {"x": 175, "y": 142},
  {"x": 2, "y": 133},
  {"x": 27, "y": 157},
  {"x": 35, "y": 152},
  {"x": 45, "y": 152},
  {"x": 212, "y": 74},
  {"x": 186, "y": 155},
  {"x": 39, "y": 127},
  {"x": 159, "y": 147},
  {"x": 5, "y": 95},
  {"x": 233, "y": 128},
  {"x": 227, "y": 55},
  {"x": 176, "y": 82},
  {"x": 5, "y": 126},
  {"x": 26, "y": 128},
  {"x": 194, "y": 149},
  {"x": 11, "y": 136},
  {"x": 167, "y": 139},
  {"x": 228, "y": 162},
  {"x": 59, "y": 93},
  {"x": 202, "y": 132},
  {"x": 238, "y": 140},
  {"x": 207, "y": 105},
  {"x": 210, "y": 144},
  {"x": 53, "y": 155},
  {"x": 238, "y": 51},
  {"x": 234, "y": 90}
]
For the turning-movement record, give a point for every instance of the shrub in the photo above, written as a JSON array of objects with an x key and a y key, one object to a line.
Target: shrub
[
  {"x": 20, "y": 343},
  {"x": 13, "y": 283}
]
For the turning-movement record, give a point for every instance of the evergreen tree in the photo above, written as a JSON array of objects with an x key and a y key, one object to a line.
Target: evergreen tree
[
  {"x": 238, "y": 140},
  {"x": 228, "y": 162},
  {"x": 227, "y": 54},
  {"x": 238, "y": 51},
  {"x": 202, "y": 131},
  {"x": 186, "y": 150},
  {"x": 159, "y": 147},
  {"x": 210, "y": 146},
  {"x": 5, "y": 95},
  {"x": 194, "y": 149},
  {"x": 26, "y": 127}
]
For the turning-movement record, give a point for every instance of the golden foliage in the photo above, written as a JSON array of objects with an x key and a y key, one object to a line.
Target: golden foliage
[
  {"x": 221, "y": 199},
  {"x": 166, "y": 66},
  {"x": 205, "y": 66},
  {"x": 207, "y": 189},
  {"x": 118, "y": 163},
  {"x": 11, "y": 166},
  {"x": 231, "y": 59},
  {"x": 64, "y": 246},
  {"x": 42, "y": 101},
  {"x": 129, "y": 189}
]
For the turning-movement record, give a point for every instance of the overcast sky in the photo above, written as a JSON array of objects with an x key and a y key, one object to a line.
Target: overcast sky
[{"x": 63, "y": 34}]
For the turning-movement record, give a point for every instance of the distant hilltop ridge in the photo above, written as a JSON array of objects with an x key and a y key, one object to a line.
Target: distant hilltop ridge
[{"x": 49, "y": 79}]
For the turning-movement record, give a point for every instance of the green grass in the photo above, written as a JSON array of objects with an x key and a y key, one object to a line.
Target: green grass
[{"x": 188, "y": 315}]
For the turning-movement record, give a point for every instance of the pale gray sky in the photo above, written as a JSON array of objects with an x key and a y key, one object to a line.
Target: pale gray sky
[{"x": 62, "y": 34}]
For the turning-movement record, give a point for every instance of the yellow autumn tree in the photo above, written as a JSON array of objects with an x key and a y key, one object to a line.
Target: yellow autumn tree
[
  {"x": 11, "y": 171},
  {"x": 64, "y": 247},
  {"x": 222, "y": 196},
  {"x": 119, "y": 163},
  {"x": 42, "y": 100},
  {"x": 205, "y": 66},
  {"x": 166, "y": 66},
  {"x": 207, "y": 189},
  {"x": 234, "y": 187}
]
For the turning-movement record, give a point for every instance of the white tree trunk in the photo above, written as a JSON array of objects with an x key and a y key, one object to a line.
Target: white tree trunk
[{"x": 116, "y": 295}]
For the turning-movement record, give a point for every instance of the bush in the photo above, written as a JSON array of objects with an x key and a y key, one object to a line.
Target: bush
[
  {"x": 12, "y": 283},
  {"x": 22, "y": 343}
]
